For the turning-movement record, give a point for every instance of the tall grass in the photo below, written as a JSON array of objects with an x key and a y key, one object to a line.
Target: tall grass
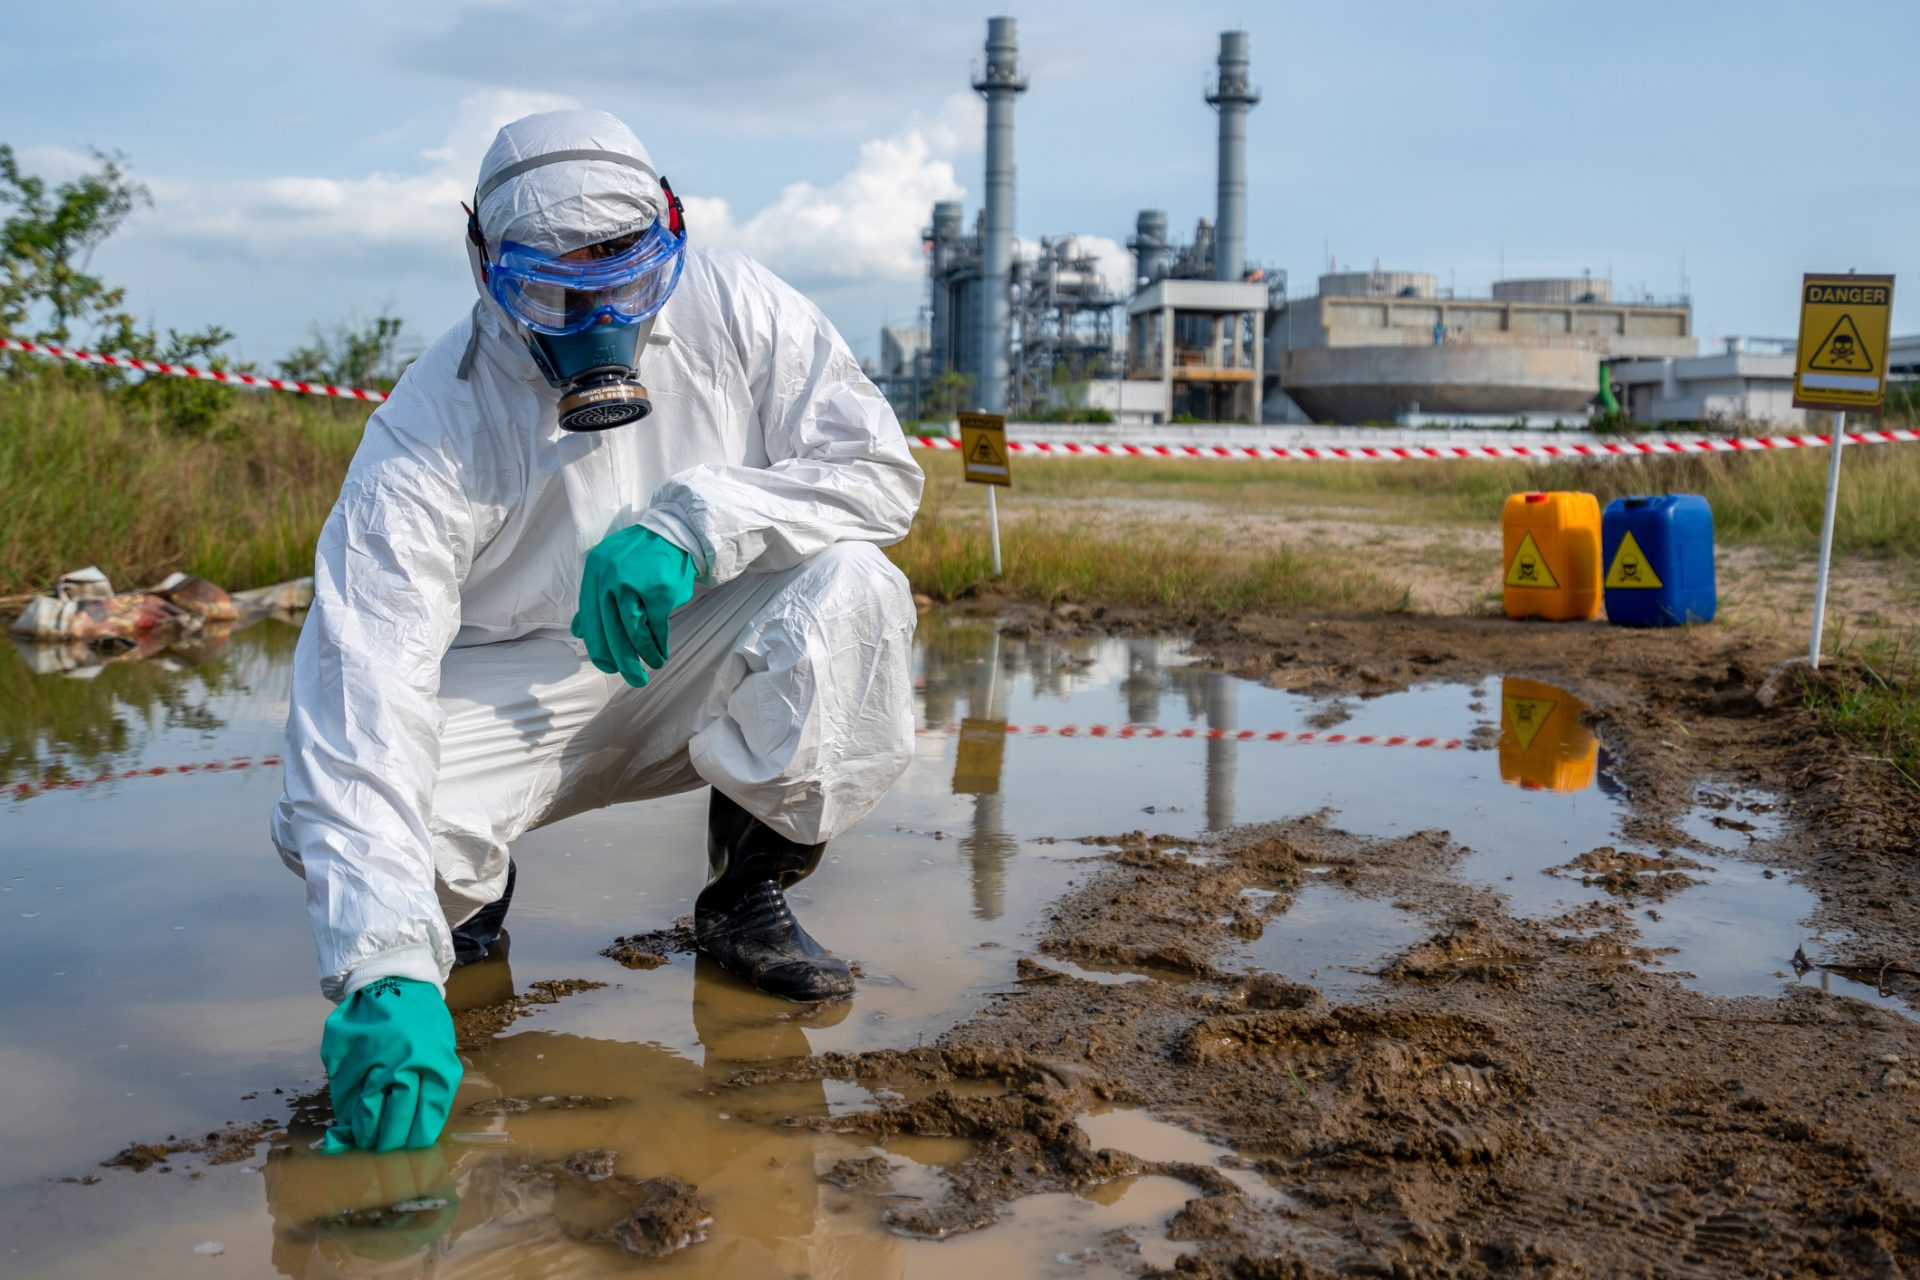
[
  {"x": 1871, "y": 695},
  {"x": 89, "y": 475}
]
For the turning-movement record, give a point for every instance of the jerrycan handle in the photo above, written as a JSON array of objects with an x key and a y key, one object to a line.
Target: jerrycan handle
[{"x": 1639, "y": 502}]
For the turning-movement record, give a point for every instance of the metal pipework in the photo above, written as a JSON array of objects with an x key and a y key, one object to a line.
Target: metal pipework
[
  {"x": 1232, "y": 96},
  {"x": 999, "y": 82}
]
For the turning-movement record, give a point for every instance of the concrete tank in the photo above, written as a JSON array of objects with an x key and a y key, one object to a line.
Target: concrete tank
[
  {"x": 1379, "y": 284},
  {"x": 1554, "y": 289},
  {"x": 1378, "y": 384}
]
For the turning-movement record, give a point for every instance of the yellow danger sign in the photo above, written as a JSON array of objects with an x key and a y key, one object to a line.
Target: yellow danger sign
[
  {"x": 983, "y": 448},
  {"x": 1841, "y": 359},
  {"x": 1529, "y": 567},
  {"x": 1630, "y": 567},
  {"x": 1527, "y": 717}
]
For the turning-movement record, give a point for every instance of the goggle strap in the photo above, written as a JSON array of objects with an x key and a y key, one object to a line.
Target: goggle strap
[
  {"x": 676, "y": 215},
  {"x": 519, "y": 167},
  {"x": 479, "y": 241}
]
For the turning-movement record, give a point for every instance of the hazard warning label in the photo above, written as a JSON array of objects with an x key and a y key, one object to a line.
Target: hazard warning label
[
  {"x": 1841, "y": 357},
  {"x": 1529, "y": 567},
  {"x": 1843, "y": 350},
  {"x": 1526, "y": 717},
  {"x": 983, "y": 448},
  {"x": 1630, "y": 567}
]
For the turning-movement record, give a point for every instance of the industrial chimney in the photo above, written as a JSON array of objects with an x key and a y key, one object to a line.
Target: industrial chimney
[
  {"x": 999, "y": 83},
  {"x": 1232, "y": 97}
]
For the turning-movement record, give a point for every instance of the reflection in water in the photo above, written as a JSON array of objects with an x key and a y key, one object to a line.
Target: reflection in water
[
  {"x": 220, "y": 1002},
  {"x": 62, "y": 722},
  {"x": 978, "y": 761},
  {"x": 1222, "y": 714},
  {"x": 1544, "y": 743},
  {"x": 472, "y": 1206}
]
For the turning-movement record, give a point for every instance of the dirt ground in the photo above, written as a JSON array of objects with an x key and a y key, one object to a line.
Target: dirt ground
[
  {"x": 1521, "y": 1096},
  {"x": 1515, "y": 1096}
]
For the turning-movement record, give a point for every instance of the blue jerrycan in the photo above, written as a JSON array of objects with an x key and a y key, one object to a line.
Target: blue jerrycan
[{"x": 1658, "y": 558}]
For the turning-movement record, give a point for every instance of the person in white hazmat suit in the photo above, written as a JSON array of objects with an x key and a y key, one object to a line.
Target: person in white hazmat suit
[{"x": 615, "y": 535}]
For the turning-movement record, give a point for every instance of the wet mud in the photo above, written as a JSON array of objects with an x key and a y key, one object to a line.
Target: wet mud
[
  {"x": 1502, "y": 1038},
  {"x": 475, "y": 1025},
  {"x": 1512, "y": 1094},
  {"x": 1515, "y": 1096}
]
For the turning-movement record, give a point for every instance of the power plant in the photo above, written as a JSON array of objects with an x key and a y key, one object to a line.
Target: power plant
[{"x": 1211, "y": 335}]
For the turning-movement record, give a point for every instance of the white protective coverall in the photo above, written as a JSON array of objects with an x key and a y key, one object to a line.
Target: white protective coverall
[{"x": 440, "y": 706}]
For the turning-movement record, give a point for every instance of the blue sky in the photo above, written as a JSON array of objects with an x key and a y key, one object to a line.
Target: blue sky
[{"x": 306, "y": 160}]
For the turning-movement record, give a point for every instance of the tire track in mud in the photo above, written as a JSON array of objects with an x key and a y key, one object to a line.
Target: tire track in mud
[{"x": 1511, "y": 1096}]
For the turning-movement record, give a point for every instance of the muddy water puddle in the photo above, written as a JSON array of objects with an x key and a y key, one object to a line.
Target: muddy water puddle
[{"x": 162, "y": 978}]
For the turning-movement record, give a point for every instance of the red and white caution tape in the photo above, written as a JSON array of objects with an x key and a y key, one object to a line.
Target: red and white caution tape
[
  {"x": 1409, "y": 452},
  {"x": 252, "y": 380},
  {"x": 1147, "y": 732},
  {"x": 1100, "y": 449},
  {"x": 27, "y": 790}
]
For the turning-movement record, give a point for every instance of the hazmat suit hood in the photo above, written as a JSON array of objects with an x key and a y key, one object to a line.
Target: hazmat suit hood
[
  {"x": 606, "y": 187},
  {"x": 561, "y": 205},
  {"x": 555, "y": 182}
]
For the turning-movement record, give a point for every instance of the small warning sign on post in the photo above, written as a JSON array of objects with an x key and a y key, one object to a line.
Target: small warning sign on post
[
  {"x": 983, "y": 448},
  {"x": 1630, "y": 567},
  {"x": 1529, "y": 567},
  {"x": 1841, "y": 359}
]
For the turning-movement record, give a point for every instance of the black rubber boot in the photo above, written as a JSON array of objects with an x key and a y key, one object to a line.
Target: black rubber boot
[
  {"x": 485, "y": 932},
  {"x": 742, "y": 920}
]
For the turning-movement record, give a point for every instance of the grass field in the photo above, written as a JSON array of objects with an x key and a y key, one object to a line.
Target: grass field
[
  {"x": 91, "y": 475},
  {"x": 94, "y": 475}
]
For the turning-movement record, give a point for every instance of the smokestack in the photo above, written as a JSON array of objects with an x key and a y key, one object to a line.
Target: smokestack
[
  {"x": 948, "y": 216},
  {"x": 999, "y": 82},
  {"x": 1232, "y": 97}
]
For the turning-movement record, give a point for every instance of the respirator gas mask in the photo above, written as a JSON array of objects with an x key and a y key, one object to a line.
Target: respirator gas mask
[{"x": 587, "y": 313}]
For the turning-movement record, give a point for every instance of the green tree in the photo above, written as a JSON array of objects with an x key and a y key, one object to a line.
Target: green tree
[
  {"x": 47, "y": 244},
  {"x": 351, "y": 355},
  {"x": 949, "y": 389},
  {"x": 187, "y": 405}
]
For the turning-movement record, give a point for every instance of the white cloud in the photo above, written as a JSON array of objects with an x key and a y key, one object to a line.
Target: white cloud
[
  {"x": 288, "y": 216},
  {"x": 864, "y": 226}
]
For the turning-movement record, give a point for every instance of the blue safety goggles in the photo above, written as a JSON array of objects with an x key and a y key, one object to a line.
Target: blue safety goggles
[{"x": 556, "y": 295}]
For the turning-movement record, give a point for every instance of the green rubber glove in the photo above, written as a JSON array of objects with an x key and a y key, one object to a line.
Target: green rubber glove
[
  {"x": 634, "y": 579},
  {"x": 391, "y": 1067}
]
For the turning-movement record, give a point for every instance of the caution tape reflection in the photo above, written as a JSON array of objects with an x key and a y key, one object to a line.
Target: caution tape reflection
[
  {"x": 1147, "y": 732},
  {"x": 29, "y": 788}
]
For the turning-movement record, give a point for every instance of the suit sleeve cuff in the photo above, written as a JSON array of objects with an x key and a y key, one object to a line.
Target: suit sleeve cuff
[
  {"x": 674, "y": 528},
  {"x": 414, "y": 962}
]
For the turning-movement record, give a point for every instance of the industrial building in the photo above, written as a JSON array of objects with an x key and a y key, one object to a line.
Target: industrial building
[
  {"x": 1385, "y": 346},
  {"x": 1750, "y": 380},
  {"x": 1210, "y": 336}
]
